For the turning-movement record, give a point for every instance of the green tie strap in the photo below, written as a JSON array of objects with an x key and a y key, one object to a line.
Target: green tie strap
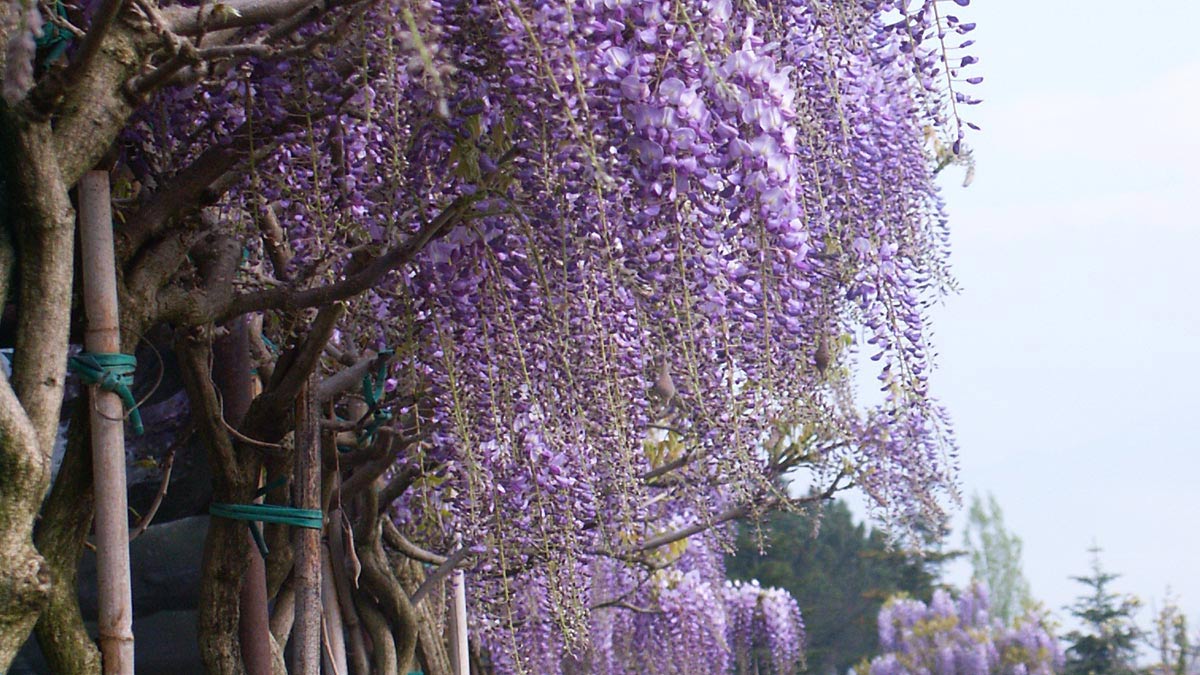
[
  {"x": 54, "y": 38},
  {"x": 372, "y": 389},
  {"x": 312, "y": 519},
  {"x": 270, "y": 345},
  {"x": 112, "y": 373}
]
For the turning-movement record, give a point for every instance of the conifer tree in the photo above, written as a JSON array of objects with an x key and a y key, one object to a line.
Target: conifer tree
[{"x": 1108, "y": 645}]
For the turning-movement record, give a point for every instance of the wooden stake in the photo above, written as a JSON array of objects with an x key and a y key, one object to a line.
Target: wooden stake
[
  {"x": 108, "y": 429},
  {"x": 462, "y": 660},
  {"x": 306, "y": 636}
]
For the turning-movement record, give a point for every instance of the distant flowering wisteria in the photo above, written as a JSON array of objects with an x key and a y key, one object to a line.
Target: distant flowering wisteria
[
  {"x": 737, "y": 198},
  {"x": 685, "y": 620},
  {"x": 949, "y": 637}
]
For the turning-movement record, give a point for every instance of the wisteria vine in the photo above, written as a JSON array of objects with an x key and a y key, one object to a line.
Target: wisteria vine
[{"x": 653, "y": 236}]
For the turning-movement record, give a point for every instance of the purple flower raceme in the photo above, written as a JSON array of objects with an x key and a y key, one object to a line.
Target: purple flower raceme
[
  {"x": 685, "y": 619},
  {"x": 734, "y": 198}
]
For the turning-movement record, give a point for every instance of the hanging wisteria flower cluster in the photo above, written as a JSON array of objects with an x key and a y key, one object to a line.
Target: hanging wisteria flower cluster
[
  {"x": 653, "y": 237},
  {"x": 949, "y": 637},
  {"x": 686, "y": 619}
]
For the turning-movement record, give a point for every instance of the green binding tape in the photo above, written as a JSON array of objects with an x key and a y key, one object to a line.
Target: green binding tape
[
  {"x": 54, "y": 38},
  {"x": 112, "y": 373},
  {"x": 372, "y": 389},
  {"x": 312, "y": 519},
  {"x": 270, "y": 513}
]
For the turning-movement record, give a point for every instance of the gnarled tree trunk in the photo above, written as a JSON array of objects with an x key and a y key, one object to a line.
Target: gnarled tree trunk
[
  {"x": 42, "y": 223},
  {"x": 66, "y": 519}
]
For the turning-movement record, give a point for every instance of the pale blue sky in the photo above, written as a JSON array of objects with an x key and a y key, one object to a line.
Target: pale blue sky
[{"x": 1069, "y": 361}]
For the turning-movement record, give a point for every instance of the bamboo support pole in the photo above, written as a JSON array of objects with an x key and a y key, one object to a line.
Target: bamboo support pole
[
  {"x": 462, "y": 660},
  {"x": 108, "y": 431}
]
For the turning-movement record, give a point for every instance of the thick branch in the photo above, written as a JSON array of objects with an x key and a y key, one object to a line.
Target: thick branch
[
  {"x": 369, "y": 473},
  {"x": 308, "y": 354},
  {"x": 45, "y": 238},
  {"x": 383, "y": 652},
  {"x": 8, "y": 259},
  {"x": 270, "y": 416},
  {"x": 40, "y": 221},
  {"x": 397, "y": 485},
  {"x": 285, "y": 612},
  {"x": 195, "y": 358},
  {"x": 232, "y": 14},
  {"x": 61, "y": 533},
  {"x": 290, "y": 299},
  {"x": 439, "y": 575},
  {"x": 25, "y": 584},
  {"x": 394, "y": 538},
  {"x": 93, "y": 111},
  {"x": 345, "y": 380},
  {"x": 51, "y": 88},
  {"x": 218, "y": 259},
  {"x": 345, "y": 597},
  {"x": 431, "y": 645},
  {"x": 184, "y": 192},
  {"x": 162, "y": 260},
  {"x": 740, "y": 511},
  {"x": 379, "y": 581},
  {"x": 276, "y": 243}
]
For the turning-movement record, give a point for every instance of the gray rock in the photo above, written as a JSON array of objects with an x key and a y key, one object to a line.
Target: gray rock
[
  {"x": 163, "y": 643},
  {"x": 164, "y": 568}
]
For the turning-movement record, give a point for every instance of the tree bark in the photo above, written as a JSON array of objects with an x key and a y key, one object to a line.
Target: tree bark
[
  {"x": 345, "y": 595},
  {"x": 225, "y": 547},
  {"x": 334, "y": 630},
  {"x": 431, "y": 614},
  {"x": 306, "y": 642},
  {"x": 383, "y": 646},
  {"x": 66, "y": 519},
  {"x": 231, "y": 374},
  {"x": 42, "y": 229},
  {"x": 379, "y": 581}
]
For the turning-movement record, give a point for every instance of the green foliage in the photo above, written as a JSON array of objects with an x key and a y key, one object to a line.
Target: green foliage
[
  {"x": 1109, "y": 644},
  {"x": 1176, "y": 649},
  {"x": 996, "y": 558},
  {"x": 840, "y": 578}
]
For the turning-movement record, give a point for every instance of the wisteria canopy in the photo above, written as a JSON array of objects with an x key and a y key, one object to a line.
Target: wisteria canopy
[{"x": 605, "y": 265}]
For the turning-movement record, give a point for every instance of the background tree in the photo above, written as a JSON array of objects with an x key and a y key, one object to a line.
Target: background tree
[
  {"x": 840, "y": 577},
  {"x": 1108, "y": 643},
  {"x": 1177, "y": 649},
  {"x": 996, "y": 558}
]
